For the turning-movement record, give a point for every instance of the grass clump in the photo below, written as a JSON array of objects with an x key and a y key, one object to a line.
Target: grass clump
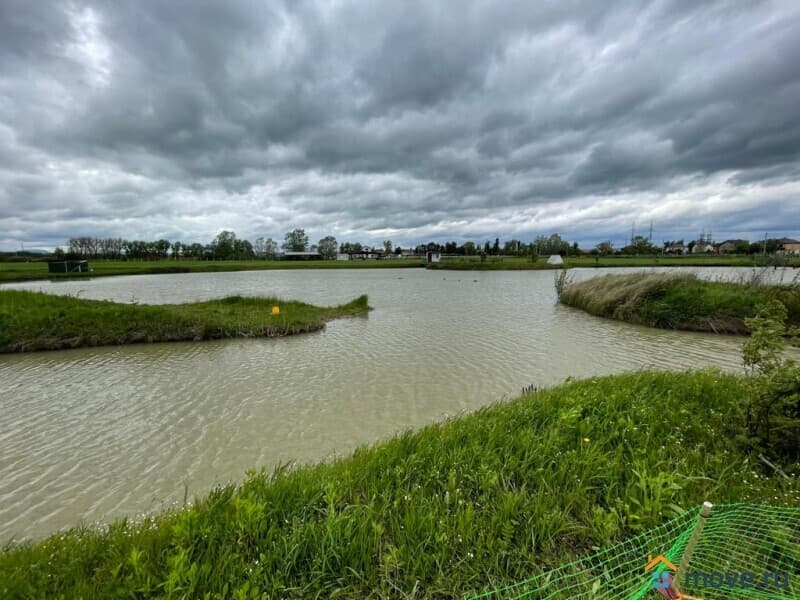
[
  {"x": 35, "y": 321},
  {"x": 679, "y": 301},
  {"x": 475, "y": 502}
]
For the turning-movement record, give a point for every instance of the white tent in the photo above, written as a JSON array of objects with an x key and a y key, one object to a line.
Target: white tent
[{"x": 555, "y": 259}]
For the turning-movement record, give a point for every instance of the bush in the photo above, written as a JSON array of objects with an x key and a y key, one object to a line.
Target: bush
[{"x": 772, "y": 411}]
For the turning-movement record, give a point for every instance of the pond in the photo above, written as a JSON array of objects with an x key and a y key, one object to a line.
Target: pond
[{"x": 89, "y": 435}]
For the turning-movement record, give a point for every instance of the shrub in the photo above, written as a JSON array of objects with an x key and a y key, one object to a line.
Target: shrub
[{"x": 772, "y": 411}]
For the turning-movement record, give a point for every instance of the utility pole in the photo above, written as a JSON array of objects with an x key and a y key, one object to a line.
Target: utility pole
[{"x": 764, "y": 252}]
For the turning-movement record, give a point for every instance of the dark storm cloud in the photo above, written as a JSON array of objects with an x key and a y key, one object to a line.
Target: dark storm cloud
[{"x": 410, "y": 120}]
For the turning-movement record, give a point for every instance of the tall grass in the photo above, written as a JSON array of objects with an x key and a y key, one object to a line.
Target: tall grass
[
  {"x": 477, "y": 501},
  {"x": 679, "y": 301},
  {"x": 35, "y": 321}
]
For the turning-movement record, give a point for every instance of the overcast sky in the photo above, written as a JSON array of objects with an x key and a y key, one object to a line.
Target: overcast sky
[{"x": 402, "y": 120}]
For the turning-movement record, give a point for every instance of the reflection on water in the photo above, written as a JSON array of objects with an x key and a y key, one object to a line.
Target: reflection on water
[{"x": 93, "y": 434}]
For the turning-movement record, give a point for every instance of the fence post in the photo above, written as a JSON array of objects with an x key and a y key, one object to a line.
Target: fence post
[{"x": 680, "y": 574}]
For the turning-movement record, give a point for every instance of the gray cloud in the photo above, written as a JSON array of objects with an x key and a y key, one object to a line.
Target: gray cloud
[{"x": 409, "y": 120}]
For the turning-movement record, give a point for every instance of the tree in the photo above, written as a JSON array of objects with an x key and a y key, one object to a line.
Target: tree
[
  {"x": 242, "y": 250},
  {"x": 196, "y": 250},
  {"x": 295, "y": 241},
  {"x": 270, "y": 249},
  {"x": 223, "y": 246},
  {"x": 162, "y": 248},
  {"x": 551, "y": 245},
  {"x": 176, "y": 250},
  {"x": 387, "y": 246},
  {"x": 512, "y": 247},
  {"x": 772, "y": 411},
  {"x": 640, "y": 245},
  {"x": 469, "y": 248},
  {"x": 327, "y": 247},
  {"x": 496, "y": 247},
  {"x": 604, "y": 248},
  {"x": 259, "y": 247}
]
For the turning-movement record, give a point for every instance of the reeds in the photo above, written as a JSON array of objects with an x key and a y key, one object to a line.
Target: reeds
[{"x": 679, "y": 301}]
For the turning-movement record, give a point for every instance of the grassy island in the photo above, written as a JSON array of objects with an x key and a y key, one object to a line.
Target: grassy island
[
  {"x": 34, "y": 321},
  {"x": 679, "y": 301},
  {"x": 475, "y": 502}
]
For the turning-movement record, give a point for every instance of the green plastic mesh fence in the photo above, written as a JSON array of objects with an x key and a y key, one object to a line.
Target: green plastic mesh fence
[{"x": 745, "y": 551}]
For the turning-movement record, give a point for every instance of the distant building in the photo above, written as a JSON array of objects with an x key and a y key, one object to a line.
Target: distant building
[
  {"x": 434, "y": 257},
  {"x": 342, "y": 256},
  {"x": 305, "y": 255},
  {"x": 729, "y": 246},
  {"x": 676, "y": 249},
  {"x": 788, "y": 246},
  {"x": 555, "y": 259},
  {"x": 703, "y": 247},
  {"x": 367, "y": 254}
]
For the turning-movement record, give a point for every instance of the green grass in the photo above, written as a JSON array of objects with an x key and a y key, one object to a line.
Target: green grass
[
  {"x": 514, "y": 263},
  {"x": 35, "y": 321},
  {"x": 21, "y": 271},
  {"x": 673, "y": 301},
  {"x": 475, "y": 502}
]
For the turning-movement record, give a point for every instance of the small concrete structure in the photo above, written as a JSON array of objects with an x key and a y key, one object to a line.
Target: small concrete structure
[
  {"x": 68, "y": 266},
  {"x": 434, "y": 257},
  {"x": 342, "y": 256},
  {"x": 555, "y": 259}
]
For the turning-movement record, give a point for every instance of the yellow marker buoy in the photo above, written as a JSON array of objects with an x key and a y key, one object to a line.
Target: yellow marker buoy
[{"x": 276, "y": 310}]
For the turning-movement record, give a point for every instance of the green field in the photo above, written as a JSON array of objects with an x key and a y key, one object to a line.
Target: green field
[
  {"x": 490, "y": 498},
  {"x": 514, "y": 263},
  {"x": 22, "y": 271},
  {"x": 26, "y": 271},
  {"x": 679, "y": 301},
  {"x": 34, "y": 321}
]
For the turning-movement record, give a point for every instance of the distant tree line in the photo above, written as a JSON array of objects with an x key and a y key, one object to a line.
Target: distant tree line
[{"x": 227, "y": 246}]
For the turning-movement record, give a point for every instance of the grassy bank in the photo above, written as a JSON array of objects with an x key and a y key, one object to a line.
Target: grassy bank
[
  {"x": 21, "y": 271},
  {"x": 513, "y": 263},
  {"x": 674, "y": 301},
  {"x": 492, "y": 497},
  {"x": 34, "y": 321}
]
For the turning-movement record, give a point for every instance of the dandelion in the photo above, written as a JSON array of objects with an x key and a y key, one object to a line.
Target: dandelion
[{"x": 586, "y": 440}]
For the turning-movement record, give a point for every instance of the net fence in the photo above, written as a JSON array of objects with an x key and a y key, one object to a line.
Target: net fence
[{"x": 745, "y": 551}]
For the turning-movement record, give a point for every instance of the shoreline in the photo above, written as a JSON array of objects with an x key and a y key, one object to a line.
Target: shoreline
[
  {"x": 428, "y": 511},
  {"x": 11, "y": 272},
  {"x": 525, "y": 264}
]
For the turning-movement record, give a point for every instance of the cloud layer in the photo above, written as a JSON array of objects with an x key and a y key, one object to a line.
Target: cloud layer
[{"x": 405, "y": 120}]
